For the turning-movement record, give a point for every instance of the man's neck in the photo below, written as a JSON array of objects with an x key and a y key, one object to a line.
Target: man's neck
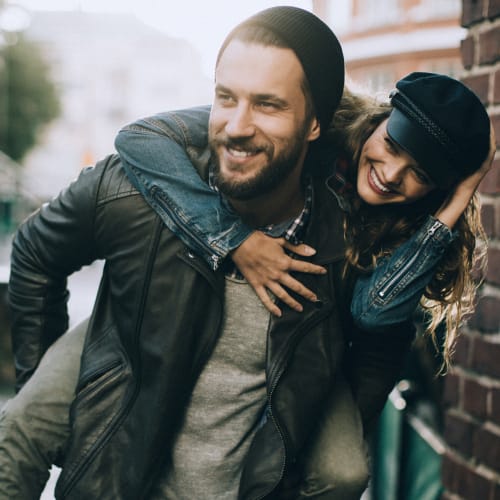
[{"x": 281, "y": 205}]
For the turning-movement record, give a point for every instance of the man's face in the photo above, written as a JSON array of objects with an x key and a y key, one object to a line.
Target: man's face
[{"x": 258, "y": 127}]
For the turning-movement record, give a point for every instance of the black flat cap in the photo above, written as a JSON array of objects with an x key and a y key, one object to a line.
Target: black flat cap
[{"x": 442, "y": 124}]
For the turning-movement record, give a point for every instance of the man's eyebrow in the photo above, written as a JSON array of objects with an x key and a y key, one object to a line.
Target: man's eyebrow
[
  {"x": 279, "y": 101},
  {"x": 221, "y": 88}
]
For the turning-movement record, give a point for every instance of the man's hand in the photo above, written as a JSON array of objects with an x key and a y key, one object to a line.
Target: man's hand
[{"x": 265, "y": 265}]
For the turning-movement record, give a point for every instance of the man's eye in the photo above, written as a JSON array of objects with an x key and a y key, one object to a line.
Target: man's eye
[
  {"x": 225, "y": 98},
  {"x": 267, "y": 105}
]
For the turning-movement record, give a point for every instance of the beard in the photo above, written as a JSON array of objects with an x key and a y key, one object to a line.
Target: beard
[{"x": 277, "y": 169}]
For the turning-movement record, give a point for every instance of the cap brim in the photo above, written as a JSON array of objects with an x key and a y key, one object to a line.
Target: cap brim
[{"x": 422, "y": 147}]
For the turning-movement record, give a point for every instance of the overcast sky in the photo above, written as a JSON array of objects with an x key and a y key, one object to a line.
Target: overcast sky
[{"x": 203, "y": 22}]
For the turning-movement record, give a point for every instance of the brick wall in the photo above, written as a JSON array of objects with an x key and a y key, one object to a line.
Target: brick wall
[{"x": 471, "y": 466}]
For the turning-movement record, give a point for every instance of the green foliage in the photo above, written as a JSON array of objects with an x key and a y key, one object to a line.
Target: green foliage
[{"x": 28, "y": 97}]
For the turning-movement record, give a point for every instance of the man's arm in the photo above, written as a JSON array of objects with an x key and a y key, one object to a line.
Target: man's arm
[{"x": 54, "y": 242}]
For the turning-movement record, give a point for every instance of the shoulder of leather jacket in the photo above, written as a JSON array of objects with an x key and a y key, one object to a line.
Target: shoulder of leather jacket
[{"x": 114, "y": 182}]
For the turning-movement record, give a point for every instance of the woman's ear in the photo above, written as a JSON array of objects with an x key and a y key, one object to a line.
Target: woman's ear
[{"x": 314, "y": 130}]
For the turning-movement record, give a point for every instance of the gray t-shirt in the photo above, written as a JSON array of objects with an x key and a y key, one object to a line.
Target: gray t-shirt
[{"x": 226, "y": 407}]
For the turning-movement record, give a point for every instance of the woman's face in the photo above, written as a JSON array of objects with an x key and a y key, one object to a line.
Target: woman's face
[{"x": 388, "y": 174}]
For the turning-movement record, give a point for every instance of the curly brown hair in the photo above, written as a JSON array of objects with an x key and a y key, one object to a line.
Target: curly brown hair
[{"x": 375, "y": 231}]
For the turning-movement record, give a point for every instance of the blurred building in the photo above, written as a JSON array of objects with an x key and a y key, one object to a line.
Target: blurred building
[
  {"x": 384, "y": 40},
  {"x": 110, "y": 69}
]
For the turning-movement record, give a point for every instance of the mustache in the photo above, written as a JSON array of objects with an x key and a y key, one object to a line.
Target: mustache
[{"x": 239, "y": 143}]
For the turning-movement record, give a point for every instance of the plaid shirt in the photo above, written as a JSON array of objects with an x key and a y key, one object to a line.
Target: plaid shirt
[
  {"x": 292, "y": 230},
  {"x": 338, "y": 181}
]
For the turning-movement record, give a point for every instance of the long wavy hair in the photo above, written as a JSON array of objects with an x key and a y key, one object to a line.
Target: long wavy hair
[{"x": 375, "y": 231}]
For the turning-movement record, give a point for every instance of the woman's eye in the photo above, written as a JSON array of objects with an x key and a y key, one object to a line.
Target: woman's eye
[
  {"x": 421, "y": 176},
  {"x": 390, "y": 145}
]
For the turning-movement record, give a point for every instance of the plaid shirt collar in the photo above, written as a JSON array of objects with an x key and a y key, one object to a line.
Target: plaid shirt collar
[{"x": 292, "y": 230}]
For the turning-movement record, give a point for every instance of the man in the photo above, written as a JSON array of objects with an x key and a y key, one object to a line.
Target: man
[{"x": 187, "y": 387}]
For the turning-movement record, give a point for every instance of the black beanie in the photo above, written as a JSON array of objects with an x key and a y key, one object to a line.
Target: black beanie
[
  {"x": 317, "y": 49},
  {"x": 442, "y": 124}
]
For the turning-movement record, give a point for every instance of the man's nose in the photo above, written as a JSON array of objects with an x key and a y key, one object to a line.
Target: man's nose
[{"x": 240, "y": 122}]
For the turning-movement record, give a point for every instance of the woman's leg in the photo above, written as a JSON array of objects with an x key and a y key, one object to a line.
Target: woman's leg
[
  {"x": 34, "y": 425},
  {"x": 336, "y": 464}
]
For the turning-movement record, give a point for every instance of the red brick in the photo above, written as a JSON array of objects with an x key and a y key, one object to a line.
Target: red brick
[
  {"x": 447, "y": 496},
  {"x": 458, "y": 432},
  {"x": 491, "y": 182},
  {"x": 463, "y": 349},
  {"x": 495, "y": 119},
  {"x": 472, "y": 12},
  {"x": 485, "y": 357},
  {"x": 475, "y": 398},
  {"x": 494, "y": 414},
  {"x": 486, "y": 447},
  {"x": 467, "y": 50},
  {"x": 486, "y": 317},
  {"x": 488, "y": 218},
  {"x": 479, "y": 84},
  {"x": 496, "y": 86},
  {"x": 493, "y": 8},
  {"x": 459, "y": 477},
  {"x": 493, "y": 271},
  {"x": 496, "y": 230},
  {"x": 451, "y": 392},
  {"x": 489, "y": 46},
  {"x": 450, "y": 470},
  {"x": 496, "y": 490},
  {"x": 474, "y": 485}
]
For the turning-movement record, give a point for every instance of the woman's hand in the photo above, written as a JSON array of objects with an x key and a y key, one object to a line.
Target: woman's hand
[
  {"x": 458, "y": 200},
  {"x": 265, "y": 265}
]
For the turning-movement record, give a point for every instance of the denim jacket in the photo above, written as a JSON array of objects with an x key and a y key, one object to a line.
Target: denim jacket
[{"x": 156, "y": 154}]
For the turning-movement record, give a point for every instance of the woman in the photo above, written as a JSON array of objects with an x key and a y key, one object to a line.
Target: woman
[{"x": 382, "y": 160}]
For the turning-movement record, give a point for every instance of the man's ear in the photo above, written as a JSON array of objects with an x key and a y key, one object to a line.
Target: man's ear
[{"x": 314, "y": 130}]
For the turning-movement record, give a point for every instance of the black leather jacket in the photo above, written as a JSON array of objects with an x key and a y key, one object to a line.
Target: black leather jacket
[{"x": 156, "y": 320}]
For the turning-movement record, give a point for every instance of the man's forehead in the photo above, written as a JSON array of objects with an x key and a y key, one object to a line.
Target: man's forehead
[{"x": 262, "y": 67}]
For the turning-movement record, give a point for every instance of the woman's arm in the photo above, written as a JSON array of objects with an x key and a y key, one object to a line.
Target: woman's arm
[
  {"x": 163, "y": 157},
  {"x": 392, "y": 292},
  {"x": 459, "y": 198},
  {"x": 159, "y": 155}
]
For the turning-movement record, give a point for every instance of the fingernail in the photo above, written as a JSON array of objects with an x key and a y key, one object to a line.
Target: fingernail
[{"x": 308, "y": 250}]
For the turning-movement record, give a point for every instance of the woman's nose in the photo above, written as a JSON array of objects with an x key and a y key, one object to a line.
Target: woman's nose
[{"x": 393, "y": 173}]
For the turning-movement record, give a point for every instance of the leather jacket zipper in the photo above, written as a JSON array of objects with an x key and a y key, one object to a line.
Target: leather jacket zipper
[
  {"x": 275, "y": 373},
  {"x": 96, "y": 377},
  {"x": 387, "y": 287},
  {"x": 84, "y": 463},
  {"x": 158, "y": 196},
  {"x": 80, "y": 468}
]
